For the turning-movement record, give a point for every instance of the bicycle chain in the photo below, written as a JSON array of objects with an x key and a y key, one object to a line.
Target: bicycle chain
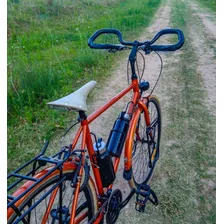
[{"x": 98, "y": 212}]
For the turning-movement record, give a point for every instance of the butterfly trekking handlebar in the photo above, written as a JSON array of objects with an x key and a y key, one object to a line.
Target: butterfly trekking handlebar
[{"x": 146, "y": 46}]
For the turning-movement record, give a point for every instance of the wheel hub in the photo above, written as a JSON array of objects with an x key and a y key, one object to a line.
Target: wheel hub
[{"x": 65, "y": 216}]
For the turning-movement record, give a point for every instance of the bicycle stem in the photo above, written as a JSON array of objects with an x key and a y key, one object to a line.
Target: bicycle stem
[{"x": 132, "y": 59}]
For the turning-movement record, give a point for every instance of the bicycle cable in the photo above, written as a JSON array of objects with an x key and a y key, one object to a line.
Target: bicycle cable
[
  {"x": 66, "y": 132},
  {"x": 127, "y": 71},
  {"x": 143, "y": 70},
  {"x": 160, "y": 73}
]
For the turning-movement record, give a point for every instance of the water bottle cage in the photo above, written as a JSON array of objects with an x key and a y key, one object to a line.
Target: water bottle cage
[{"x": 114, "y": 130}]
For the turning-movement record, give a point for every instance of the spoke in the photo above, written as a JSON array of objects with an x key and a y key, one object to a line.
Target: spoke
[
  {"x": 138, "y": 164},
  {"x": 141, "y": 154},
  {"x": 35, "y": 212},
  {"x": 137, "y": 168},
  {"x": 66, "y": 189},
  {"x": 80, "y": 199},
  {"x": 70, "y": 201},
  {"x": 145, "y": 162},
  {"x": 46, "y": 203},
  {"x": 142, "y": 165},
  {"x": 134, "y": 158},
  {"x": 141, "y": 173},
  {"x": 154, "y": 123}
]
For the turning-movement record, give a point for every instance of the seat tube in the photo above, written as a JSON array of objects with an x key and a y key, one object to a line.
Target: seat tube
[
  {"x": 92, "y": 157},
  {"x": 78, "y": 184},
  {"x": 87, "y": 140}
]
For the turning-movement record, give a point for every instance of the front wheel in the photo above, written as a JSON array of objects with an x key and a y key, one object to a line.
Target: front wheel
[{"x": 145, "y": 145}]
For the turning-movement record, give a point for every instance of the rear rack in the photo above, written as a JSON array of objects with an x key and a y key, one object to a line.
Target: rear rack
[{"x": 40, "y": 160}]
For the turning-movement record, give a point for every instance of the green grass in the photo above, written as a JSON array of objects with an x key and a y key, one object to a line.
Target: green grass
[
  {"x": 209, "y": 3},
  {"x": 48, "y": 58}
]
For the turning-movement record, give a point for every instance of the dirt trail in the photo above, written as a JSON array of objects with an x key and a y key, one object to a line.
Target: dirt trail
[
  {"x": 205, "y": 50},
  {"x": 118, "y": 81},
  {"x": 201, "y": 28},
  {"x": 206, "y": 16}
]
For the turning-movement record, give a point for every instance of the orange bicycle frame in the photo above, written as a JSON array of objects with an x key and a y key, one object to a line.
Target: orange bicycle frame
[{"x": 87, "y": 140}]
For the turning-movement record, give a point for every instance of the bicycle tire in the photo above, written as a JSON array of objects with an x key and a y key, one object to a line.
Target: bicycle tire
[
  {"x": 89, "y": 191},
  {"x": 154, "y": 147}
]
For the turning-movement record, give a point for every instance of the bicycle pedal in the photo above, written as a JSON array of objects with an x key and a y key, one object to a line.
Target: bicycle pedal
[{"x": 143, "y": 194}]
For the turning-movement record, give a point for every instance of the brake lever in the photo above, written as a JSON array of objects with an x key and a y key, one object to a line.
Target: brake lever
[
  {"x": 112, "y": 50},
  {"x": 145, "y": 49},
  {"x": 121, "y": 48}
]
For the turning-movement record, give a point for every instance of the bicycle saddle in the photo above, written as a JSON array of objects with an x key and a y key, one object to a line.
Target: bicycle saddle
[{"x": 74, "y": 101}]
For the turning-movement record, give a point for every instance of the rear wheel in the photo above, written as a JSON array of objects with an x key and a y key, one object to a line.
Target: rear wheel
[
  {"x": 145, "y": 145},
  {"x": 86, "y": 207}
]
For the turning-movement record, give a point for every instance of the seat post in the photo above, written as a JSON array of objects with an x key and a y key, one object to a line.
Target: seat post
[{"x": 82, "y": 115}]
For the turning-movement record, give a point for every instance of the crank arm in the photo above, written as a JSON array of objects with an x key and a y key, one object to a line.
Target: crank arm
[{"x": 125, "y": 202}]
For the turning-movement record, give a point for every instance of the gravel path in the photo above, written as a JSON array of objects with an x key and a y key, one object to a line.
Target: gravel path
[
  {"x": 205, "y": 50},
  {"x": 201, "y": 29}
]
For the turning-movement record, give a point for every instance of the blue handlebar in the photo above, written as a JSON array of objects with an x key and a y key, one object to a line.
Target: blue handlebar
[
  {"x": 169, "y": 47},
  {"x": 104, "y": 31},
  {"x": 148, "y": 44}
]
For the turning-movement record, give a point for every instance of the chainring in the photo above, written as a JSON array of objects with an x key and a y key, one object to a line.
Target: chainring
[{"x": 112, "y": 207}]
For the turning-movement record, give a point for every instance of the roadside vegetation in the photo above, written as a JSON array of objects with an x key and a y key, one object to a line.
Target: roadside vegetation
[
  {"x": 48, "y": 58},
  {"x": 209, "y": 3}
]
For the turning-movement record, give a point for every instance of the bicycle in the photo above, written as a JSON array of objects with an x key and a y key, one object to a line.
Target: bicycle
[{"x": 61, "y": 188}]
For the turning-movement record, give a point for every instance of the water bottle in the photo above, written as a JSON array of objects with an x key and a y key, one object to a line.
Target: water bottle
[
  {"x": 104, "y": 161},
  {"x": 118, "y": 134}
]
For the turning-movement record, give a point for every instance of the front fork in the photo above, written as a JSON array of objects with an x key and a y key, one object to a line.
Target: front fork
[
  {"x": 153, "y": 156},
  {"x": 142, "y": 106}
]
